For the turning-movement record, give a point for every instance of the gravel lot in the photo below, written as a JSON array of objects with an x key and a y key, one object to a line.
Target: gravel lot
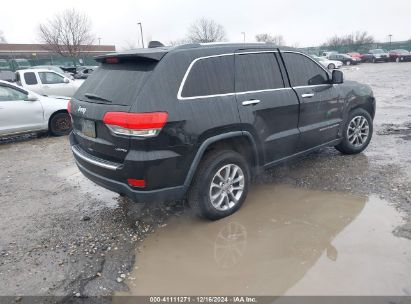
[{"x": 62, "y": 235}]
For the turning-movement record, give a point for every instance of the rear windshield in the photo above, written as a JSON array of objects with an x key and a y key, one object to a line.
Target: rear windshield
[{"x": 116, "y": 83}]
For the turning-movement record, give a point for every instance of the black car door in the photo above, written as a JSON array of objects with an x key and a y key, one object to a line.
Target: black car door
[
  {"x": 268, "y": 108},
  {"x": 321, "y": 104}
]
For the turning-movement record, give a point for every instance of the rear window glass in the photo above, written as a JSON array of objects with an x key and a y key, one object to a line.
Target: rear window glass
[
  {"x": 119, "y": 83},
  {"x": 210, "y": 76}
]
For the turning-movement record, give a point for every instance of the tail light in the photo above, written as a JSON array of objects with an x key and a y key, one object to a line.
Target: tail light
[
  {"x": 69, "y": 107},
  {"x": 136, "y": 124},
  {"x": 139, "y": 183},
  {"x": 112, "y": 60}
]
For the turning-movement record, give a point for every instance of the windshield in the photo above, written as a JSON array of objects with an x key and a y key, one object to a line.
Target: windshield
[
  {"x": 57, "y": 69},
  {"x": 50, "y": 67},
  {"x": 378, "y": 51},
  {"x": 117, "y": 83}
]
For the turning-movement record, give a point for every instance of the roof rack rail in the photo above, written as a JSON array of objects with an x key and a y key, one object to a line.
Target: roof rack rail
[{"x": 188, "y": 46}]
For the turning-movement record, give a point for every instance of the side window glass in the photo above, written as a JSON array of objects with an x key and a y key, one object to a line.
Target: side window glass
[
  {"x": 9, "y": 94},
  {"x": 304, "y": 71},
  {"x": 50, "y": 78},
  {"x": 30, "y": 78},
  {"x": 256, "y": 72},
  {"x": 210, "y": 76}
]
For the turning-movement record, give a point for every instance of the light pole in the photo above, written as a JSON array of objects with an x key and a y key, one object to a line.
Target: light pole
[
  {"x": 141, "y": 32},
  {"x": 99, "y": 40},
  {"x": 243, "y": 33},
  {"x": 390, "y": 35}
]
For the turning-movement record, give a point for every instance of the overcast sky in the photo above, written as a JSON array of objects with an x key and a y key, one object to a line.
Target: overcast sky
[{"x": 306, "y": 23}]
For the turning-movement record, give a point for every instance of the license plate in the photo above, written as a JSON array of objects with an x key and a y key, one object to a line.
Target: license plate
[{"x": 88, "y": 128}]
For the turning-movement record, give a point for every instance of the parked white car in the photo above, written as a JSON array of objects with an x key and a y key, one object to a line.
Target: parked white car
[
  {"x": 22, "y": 111},
  {"x": 329, "y": 64},
  {"x": 56, "y": 69},
  {"x": 46, "y": 82}
]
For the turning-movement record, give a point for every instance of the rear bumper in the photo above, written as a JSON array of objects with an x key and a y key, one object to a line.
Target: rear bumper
[
  {"x": 169, "y": 194},
  {"x": 159, "y": 171}
]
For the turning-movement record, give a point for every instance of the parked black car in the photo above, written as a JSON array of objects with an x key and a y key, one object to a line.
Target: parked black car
[
  {"x": 344, "y": 58},
  {"x": 376, "y": 55},
  {"x": 198, "y": 121},
  {"x": 84, "y": 72}
]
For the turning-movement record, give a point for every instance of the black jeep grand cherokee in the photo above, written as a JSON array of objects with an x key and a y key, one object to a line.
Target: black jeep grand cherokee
[{"x": 198, "y": 121}]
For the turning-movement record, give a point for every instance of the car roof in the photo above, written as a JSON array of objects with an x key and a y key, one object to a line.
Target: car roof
[
  {"x": 14, "y": 85},
  {"x": 36, "y": 70},
  {"x": 158, "y": 53},
  {"x": 6, "y": 82}
]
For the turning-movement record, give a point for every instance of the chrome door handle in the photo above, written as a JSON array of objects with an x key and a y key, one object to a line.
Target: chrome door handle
[
  {"x": 307, "y": 95},
  {"x": 250, "y": 102}
]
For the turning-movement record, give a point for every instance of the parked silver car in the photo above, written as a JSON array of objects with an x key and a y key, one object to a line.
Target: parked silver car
[{"x": 23, "y": 111}]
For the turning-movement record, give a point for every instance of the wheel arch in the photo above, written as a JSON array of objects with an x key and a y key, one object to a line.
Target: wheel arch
[
  {"x": 367, "y": 106},
  {"x": 239, "y": 141},
  {"x": 54, "y": 114}
]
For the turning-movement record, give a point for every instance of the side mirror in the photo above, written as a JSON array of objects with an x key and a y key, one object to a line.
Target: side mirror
[
  {"x": 337, "y": 77},
  {"x": 66, "y": 80},
  {"x": 32, "y": 97}
]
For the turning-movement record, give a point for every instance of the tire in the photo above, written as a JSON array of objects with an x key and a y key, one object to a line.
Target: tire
[
  {"x": 60, "y": 124},
  {"x": 354, "y": 141},
  {"x": 331, "y": 66},
  {"x": 199, "y": 196}
]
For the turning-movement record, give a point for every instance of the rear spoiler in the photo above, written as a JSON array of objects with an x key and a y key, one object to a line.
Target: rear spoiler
[{"x": 154, "y": 54}]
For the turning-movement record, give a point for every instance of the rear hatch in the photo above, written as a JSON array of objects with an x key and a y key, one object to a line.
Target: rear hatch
[{"x": 113, "y": 87}]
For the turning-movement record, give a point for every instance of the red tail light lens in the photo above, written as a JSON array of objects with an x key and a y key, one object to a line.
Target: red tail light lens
[
  {"x": 136, "y": 124},
  {"x": 112, "y": 60},
  {"x": 69, "y": 107},
  {"x": 140, "y": 183}
]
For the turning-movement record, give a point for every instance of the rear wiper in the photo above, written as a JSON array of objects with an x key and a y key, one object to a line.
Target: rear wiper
[{"x": 96, "y": 97}]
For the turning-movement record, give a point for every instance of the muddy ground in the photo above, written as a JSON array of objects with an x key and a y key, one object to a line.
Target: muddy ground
[{"x": 62, "y": 235}]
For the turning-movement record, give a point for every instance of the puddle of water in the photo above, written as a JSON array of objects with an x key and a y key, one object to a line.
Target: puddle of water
[
  {"x": 283, "y": 241},
  {"x": 73, "y": 176}
]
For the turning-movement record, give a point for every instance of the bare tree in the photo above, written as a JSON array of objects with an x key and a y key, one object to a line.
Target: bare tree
[
  {"x": 68, "y": 33},
  {"x": 2, "y": 38},
  {"x": 363, "y": 38},
  {"x": 357, "y": 38},
  {"x": 265, "y": 37},
  {"x": 206, "y": 30}
]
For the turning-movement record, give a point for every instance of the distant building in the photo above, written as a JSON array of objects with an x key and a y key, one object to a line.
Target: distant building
[{"x": 18, "y": 56}]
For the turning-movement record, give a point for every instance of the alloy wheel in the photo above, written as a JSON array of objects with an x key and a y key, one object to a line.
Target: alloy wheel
[
  {"x": 227, "y": 187},
  {"x": 358, "y": 131},
  {"x": 62, "y": 124}
]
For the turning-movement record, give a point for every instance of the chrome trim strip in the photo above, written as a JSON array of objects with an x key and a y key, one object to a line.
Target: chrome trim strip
[
  {"x": 180, "y": 89},
  {"x": 329, "y": 127},
  {"x": 90, "y": 160},
  {"x": 313, "y": 86},
  {"x": 261, "y": 91},
  {"x": 325, "y": 70}
]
